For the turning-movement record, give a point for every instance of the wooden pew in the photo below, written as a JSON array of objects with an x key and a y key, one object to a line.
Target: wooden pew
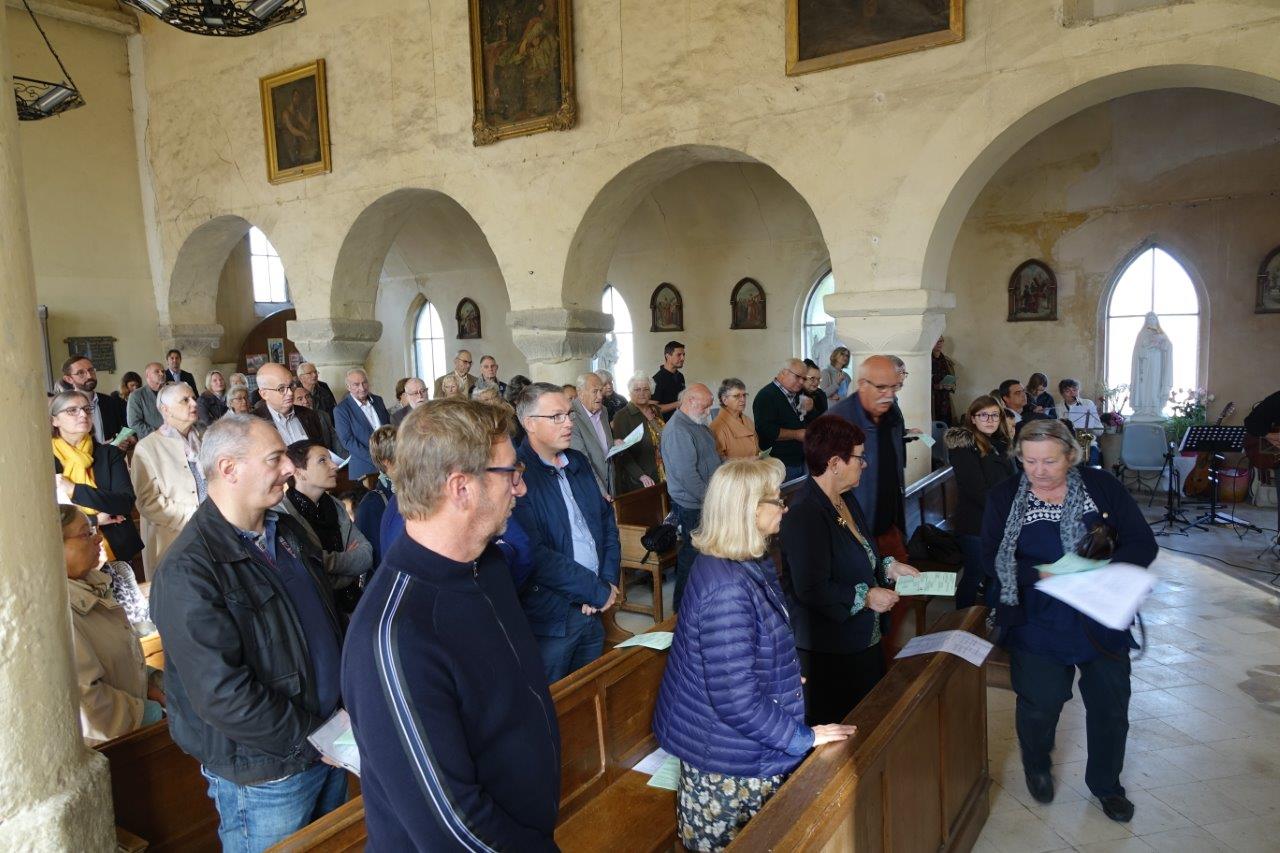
[{"x": 636, "y": 512}]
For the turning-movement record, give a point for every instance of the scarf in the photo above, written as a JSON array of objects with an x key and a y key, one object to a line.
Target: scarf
[
  {"x": 77, "y": 462},
  {"x": 322, "y": 516},
  {"x": 1070, "y": 530},
  {"x": 191, "y": 452}
]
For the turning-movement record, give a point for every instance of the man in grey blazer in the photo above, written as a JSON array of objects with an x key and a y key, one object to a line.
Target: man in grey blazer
[
  {"x": 142, "y": 413},
  {"x": 592, "y": 435}
]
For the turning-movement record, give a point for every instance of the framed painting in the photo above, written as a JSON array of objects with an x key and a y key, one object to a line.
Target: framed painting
[
  {"x": 824, "y": 34},
  {"x": 1269, "y": 284},
  {"x": 468, "y": 317},
  {"x": 667, "y": 309},
  {"x": 275, "y": 350},
  {"x": 747, "y": 304},
  {"x": 1033, "y": 292},
  {"x": 521, "y": 68},
  {"x": 295, "y": 123}
]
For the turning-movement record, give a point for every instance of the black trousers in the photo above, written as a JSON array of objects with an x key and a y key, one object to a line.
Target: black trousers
[
  {"x": 1043, "y": 686},
  {"x": 689, "y": 521},
  {"x": 835, "y": 683}
]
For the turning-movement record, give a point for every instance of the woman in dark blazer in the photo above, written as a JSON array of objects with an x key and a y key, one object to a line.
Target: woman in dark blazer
[
  {"x": 637, "y": 466},
  {"x": 836, "y": 583},
  {"x": 979, "y": 454},
  {"x": 93, "y": 476}
]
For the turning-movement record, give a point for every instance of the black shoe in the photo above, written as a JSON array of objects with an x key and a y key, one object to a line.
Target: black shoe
[
  {"x": 1118, "y": 808},
  {"x": 1041, "y": 787}
]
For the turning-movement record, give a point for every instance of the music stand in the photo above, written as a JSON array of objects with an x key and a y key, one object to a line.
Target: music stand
[
  {"x": 1216, "y": 440},
  {"x": 1173, "y": 500}
]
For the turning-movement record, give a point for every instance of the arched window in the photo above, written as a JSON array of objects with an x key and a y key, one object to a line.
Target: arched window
[
  {"x": 618, "y": 353},
  {"x": 428, "y": 344},
  {"x": 269, "y": 283},
  {"x": 1153, "y": 281},
  {"x": 817, "y": 323}
]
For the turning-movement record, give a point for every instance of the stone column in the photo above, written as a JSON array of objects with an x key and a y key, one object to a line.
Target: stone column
[
  {"x": 905, "y": 323},
  {"x": 558, "y": 342},
  {"x": 198, "y": 343},
  {"x": 334, "y": 346},
  {"x": 56, "y": 793}
]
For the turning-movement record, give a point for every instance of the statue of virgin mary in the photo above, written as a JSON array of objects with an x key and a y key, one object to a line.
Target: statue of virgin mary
[{"x": 1152, "y": 377}]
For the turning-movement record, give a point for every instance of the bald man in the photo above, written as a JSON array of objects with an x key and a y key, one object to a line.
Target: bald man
[
  {"x": 142, "y": 413},
  {"x": 461, "y": 372},
  {"x": 356, "y": 417},
  {"x": 689, "y": 457},
  {"x": 779, "y": 410},
  {"x": 294, "y": 423}
]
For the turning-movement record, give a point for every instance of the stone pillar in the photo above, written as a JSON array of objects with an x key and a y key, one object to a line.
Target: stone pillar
[
  {"x": 905, "y": 323},
  {"x": 334, "y": 346},
  {"x": 558, "y": 342},
  {"x": 198, "y": 343},
  {"x": 56, "y": 793}
]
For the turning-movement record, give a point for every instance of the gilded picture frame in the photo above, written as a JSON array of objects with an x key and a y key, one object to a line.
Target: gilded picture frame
[
  {"x": 1033, "y": 293},
  {"x": 823, "y": 34},
  {"x": 295, "y": 123},
  {"x": 666, "y": 309},
  {"x": 522, "y": 75},
  {"x": 747, "y": 305},
  {"x": 467, "y": 316}
]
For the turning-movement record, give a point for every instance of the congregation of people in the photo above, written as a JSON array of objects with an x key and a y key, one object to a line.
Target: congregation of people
[{"x": 433, "y": 560}]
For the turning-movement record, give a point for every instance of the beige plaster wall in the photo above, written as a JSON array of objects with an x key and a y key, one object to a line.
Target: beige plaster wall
[
  {"x": 236, "y": 313},
  {"x": 83, "y": 201},
  {"x": 1193, "y": 171}
]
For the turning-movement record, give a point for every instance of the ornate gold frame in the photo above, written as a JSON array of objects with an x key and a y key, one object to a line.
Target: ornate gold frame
[
  {"x": 276, "y": 175},
  {"x": 796, "y": 65},
  {"x": 487, "y": 133}
]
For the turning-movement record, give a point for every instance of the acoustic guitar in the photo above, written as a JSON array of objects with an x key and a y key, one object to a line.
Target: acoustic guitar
[{"x": 1198, "y": 482}]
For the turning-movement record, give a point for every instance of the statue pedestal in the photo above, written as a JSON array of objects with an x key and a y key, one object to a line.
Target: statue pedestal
[{"x": 1145, "y": 418}]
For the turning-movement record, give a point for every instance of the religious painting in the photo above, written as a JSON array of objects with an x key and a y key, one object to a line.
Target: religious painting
[
  {"x": 1033, "y": 292},
  {"x": 747, "y": 305},
  {"x": 521, "y": 68},
  {"x": 295, "y": 121},
  {"x": 824, "y": 34},
  {"x": 275, "y": 350},
  {"x": 1269, "y": 285},
  {"x": 667, "y": 308},
  {"x": 468, "y": 317}
]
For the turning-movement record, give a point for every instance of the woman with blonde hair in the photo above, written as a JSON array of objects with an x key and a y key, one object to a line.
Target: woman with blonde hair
[{"x": 730, "y": 705}]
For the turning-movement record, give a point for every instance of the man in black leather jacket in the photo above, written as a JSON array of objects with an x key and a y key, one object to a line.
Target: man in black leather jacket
[{"x": 252, "y": 643}]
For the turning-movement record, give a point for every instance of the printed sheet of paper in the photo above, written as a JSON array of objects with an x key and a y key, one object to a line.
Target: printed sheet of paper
[
  {"x": 652, "y": 762},
  {"x": 627, "y": 442},
  {"x": 962, "y": 644},
  {"x": 1071, "y": 563},
  {"x": 124, "y": 435},
  {"x": 928, "y": 583},
  {"x": 668, "y": 775},
  {"x": 336, "y": 740},
  {"x": 338, "y": 461},
  {"x": 660, "y": 640},
  {"x": 1110, "y": 595},
  {"x": 927, "y": 439}
]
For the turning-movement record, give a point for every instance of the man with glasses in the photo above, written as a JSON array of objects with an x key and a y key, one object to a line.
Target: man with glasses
[
  {"x": 322, "y": 399},
  {"x": 356, "y": 417},
  {"x": 415, "y": 391},
  {"x": 690, "y": 457},
  {"x": 573, "y": 536},
  {"x": 293, "y": 422},
  {"x": 461, "y": 372},
  {"x": 779, "y": 410},
  {"x": 108, "y": 415}
]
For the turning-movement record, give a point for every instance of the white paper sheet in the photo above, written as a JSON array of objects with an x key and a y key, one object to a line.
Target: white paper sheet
[
  {"x": 630, "y": 440},
  {"x": 1110, "y": 595},
  {"x": 652, "y": 762},
  {"x": 335, "y": 740},
  {"x": 962, "y": 644}
]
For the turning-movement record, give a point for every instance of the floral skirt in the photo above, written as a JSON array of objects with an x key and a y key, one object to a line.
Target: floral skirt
[{"x": 712, "y": 807}]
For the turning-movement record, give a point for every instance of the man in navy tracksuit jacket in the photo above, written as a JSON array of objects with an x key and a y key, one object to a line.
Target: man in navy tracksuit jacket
[{"x": 459, "y": 746}]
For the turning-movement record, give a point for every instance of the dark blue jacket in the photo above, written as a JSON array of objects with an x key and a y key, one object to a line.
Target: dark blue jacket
[
  {"x": 850, "y": 408},
  {"x": 354, "y": 430},
  {"x": 459, "y": 744},
  {"x": 558, "y": 583},
  {"x": 730, "y": 700},
  {"x": 369, "y": 513}
]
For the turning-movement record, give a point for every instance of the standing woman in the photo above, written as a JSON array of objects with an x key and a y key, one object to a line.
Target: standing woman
[
  {"x": 638, "y": 466},
  {"x": 735, "y": 433},
  {"x": 93, "y": 476},
  {"x": 213, "y": 402},
  {"x": 1032, "y": 520},
  {"x": 979, "y": 454},
  {"x": 730, "y": 704},
  {"x": 837, "y": 584},
  {"x": 834, "y": 381}
]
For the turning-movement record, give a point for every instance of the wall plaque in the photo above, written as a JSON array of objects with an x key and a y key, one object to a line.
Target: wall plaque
[{"x": 101, "y": 350}]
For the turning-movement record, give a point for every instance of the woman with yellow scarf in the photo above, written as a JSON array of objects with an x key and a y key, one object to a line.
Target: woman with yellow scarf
[{"x": 92, "y": 476}]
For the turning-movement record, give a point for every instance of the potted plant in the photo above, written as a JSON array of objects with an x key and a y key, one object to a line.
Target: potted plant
[{"x": 1110, "y": 403}]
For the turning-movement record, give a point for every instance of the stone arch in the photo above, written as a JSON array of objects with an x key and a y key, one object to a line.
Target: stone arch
[{"x": 193, "y": 284}]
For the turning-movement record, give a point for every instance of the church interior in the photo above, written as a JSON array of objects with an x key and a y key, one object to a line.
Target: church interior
[{"x": 1025, "y": 184}]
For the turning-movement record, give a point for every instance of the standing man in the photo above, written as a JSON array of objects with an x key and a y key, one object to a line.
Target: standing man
[
  {"x": 356, "y": 417},
  {"x": 415, "y": 392},
  {"x": 668, "y": 382},
  {"x": 779, "y": 410},
  {"x": 143, "y": 415},
  {"x": 109, "y": 415},
  {"x": 572, "y": 533},
  {"x": 294, "y": 423},
  {"x": 458, "y": 739},
  {"x": 322, "y": 399},
  {"x": 690, "y": 457},
  {"x": 613, "y": 401},
  {"x": 592, "y": 435},
  {"x": 461, "y": 372},
  {"x": 489, "y": 376},
  {"x": 175, "y": 373},
  {"x": 252, "y": 644}
]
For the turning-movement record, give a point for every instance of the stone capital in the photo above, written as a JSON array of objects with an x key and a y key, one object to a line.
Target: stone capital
[
  {"x": 558, "y": 342},
  {"x": 895, "y": 322},
  {"x": 196, "y": 340},
  {"x": 333, "y": 342}
]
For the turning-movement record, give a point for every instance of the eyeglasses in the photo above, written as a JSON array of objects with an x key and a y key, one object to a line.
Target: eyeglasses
[
  {"x": 76, "y": 410},
  {"x": 465, "y": 361},
  {"x": 743, "y": 394},
  {"x": 987, "y": 416},
  {"x": 861, "y": 460},
  {"x": 88, "y": 534},
  {"x": 797, "y": 375},
  {"x": 516, "y": 471},
  {"x": 778, "y": 502},
  {"x": 558, "y": 418},
  {"x": 281, "y": 389},
  {"x": 882, "y": 388}
]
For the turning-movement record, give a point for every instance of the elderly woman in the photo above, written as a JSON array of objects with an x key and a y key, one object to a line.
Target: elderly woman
[
  {"x": 238, "y": 400},
  {"x": 92, "y": 476},
  {"x": 115, "y": 697},
  {"x": 1033, "y": 520},
  {"x": 449, "y": 386},
  {"x": 834, "y": 382},
  {"x": 213, "y": 402},
  {"x": 730, "y": 703},
  {"x": 639, "y": 465},
  {"x": 166, "y": 473},
  {"x": 836, "y": 581},
  {"x": 735, "y": 433}
]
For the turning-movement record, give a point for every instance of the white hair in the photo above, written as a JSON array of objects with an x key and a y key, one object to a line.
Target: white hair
[
  {"x": 639, "y": 377},
  {"x": 581, "y": 382},
  {"x": 167, "y": 394},
  {"x": 605, "y": 376},
  {"x": 356, "y": 370}
]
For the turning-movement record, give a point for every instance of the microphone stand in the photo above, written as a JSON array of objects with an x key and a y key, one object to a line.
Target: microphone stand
[{"x": 1173, "y": 516}]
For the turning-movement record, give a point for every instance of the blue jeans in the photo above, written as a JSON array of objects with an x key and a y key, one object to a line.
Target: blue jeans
[
  {"x": 689, "y": 521},
  {"x": 583, "y": 642},
  {"x": 251, "y": 818}
]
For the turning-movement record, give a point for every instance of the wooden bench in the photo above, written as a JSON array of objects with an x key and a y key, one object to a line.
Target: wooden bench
[{"x": 636, "y": 512}]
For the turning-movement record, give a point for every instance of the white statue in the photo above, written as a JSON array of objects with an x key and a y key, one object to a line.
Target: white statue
[
  {"x": 606, "y": 357},
  {"x": 1152, "y": 377},
  {"x": 820, "y": 350}
]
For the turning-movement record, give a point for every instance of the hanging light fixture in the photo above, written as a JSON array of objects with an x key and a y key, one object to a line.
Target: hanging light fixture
[
  {"x": 222, "y": 17},
  {"x": 39, "y": 99}
]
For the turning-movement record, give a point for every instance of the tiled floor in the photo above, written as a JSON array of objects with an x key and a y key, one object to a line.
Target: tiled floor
[{"x": 1203, "y": 760}]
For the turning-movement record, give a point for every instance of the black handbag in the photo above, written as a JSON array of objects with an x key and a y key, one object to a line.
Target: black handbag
[{"x": 660, "y": 538}]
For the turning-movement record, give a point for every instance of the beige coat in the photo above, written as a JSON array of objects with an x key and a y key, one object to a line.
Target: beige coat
[
  {"x": 165, "y": 490},
  {"x": 110, "y": 671}
]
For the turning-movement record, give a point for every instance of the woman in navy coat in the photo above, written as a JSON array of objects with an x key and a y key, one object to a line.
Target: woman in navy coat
[{"x": 731, "y": 706}]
